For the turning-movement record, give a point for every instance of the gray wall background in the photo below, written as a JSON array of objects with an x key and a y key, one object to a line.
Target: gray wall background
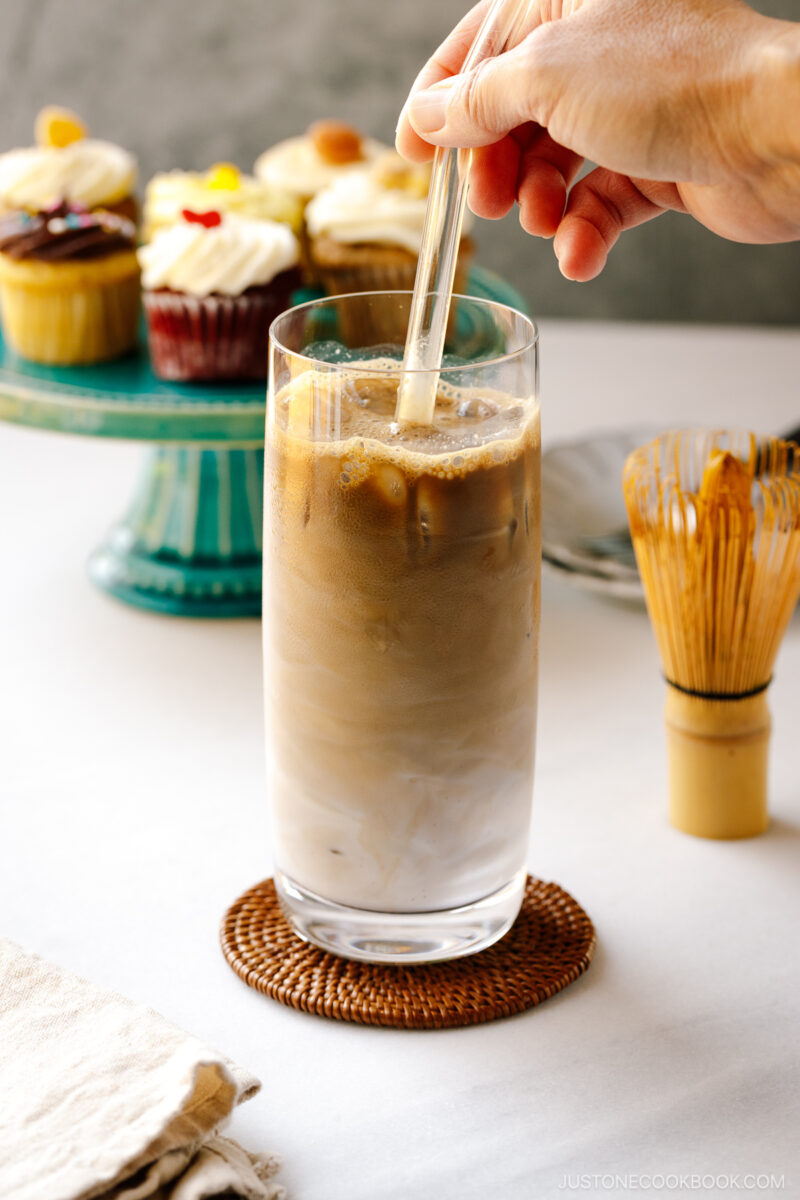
[{"x": 191, "y": 82}]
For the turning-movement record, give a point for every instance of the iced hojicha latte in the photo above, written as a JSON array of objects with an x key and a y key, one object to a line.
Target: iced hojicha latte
[
  {"x": 402, "y": 608},
  {"x": 403, "y": 605}
]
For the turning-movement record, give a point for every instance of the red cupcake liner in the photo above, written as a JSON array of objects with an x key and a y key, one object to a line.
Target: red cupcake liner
[{"x": 196, "y": 338}]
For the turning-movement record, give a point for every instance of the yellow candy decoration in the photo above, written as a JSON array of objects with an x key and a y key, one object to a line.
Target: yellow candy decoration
[
  {"x": 58, "y": 127},
  {"x": 224, "y": 177}
]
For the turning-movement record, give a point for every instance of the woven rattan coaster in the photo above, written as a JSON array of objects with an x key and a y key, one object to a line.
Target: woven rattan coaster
[{"x": 549, "y": 946}]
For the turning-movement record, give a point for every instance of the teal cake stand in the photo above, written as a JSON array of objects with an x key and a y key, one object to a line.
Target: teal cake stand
[{"x": 190, "y": 543}]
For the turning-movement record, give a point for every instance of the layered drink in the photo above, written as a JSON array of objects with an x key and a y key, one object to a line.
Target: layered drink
[{"x": 402, "y": 614}]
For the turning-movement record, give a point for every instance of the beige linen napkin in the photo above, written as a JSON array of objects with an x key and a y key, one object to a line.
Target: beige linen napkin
[{"x": 101, "y": 1097}]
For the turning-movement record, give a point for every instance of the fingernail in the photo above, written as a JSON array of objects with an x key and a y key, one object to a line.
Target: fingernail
[{"x": 427, "y": 111}]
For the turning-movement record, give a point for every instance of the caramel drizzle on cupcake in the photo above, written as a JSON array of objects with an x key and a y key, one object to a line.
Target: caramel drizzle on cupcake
[{"x": 336, "y": 142}]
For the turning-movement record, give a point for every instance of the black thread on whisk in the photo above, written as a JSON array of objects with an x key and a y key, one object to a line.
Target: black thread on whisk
[{"x": 756, "y": 691}]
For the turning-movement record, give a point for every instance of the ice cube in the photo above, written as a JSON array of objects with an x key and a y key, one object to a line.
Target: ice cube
[{"x": 475, "y": 409}]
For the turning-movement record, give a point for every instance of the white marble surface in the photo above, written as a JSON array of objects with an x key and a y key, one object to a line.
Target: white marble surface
[{"x": 133, "y": 810}]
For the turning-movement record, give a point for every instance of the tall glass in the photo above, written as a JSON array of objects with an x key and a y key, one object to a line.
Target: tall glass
[{"x": 401, "y": 607}]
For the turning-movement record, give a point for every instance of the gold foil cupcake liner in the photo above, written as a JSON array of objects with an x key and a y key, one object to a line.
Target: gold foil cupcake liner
[{"x": 65, "y": 317}]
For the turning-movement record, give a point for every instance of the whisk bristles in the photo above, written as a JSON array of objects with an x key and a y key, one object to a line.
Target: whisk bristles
[{"x": 715, "y": 522}]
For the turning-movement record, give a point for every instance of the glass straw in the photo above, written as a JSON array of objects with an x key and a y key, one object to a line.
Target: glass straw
[{"x": 441, "y": 236}]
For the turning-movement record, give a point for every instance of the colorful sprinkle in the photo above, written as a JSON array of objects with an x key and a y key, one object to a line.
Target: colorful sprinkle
[{"x": 114, "y": 223}]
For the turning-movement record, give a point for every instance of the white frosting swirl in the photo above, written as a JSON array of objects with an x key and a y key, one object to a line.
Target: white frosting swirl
[
  {"x": 88, "y": 172},
  {"x": 297, "y": 166},
  {"x": 357, "y": 208},
  {"x": 226, "y": 258},
  {"x": 167, "y": 194}
]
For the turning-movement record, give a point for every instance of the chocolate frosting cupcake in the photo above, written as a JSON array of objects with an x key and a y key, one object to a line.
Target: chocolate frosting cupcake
[{"x": 65, "y": 232}]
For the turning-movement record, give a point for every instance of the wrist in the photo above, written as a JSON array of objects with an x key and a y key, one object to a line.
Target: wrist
[{"x": 771, "y": 105}]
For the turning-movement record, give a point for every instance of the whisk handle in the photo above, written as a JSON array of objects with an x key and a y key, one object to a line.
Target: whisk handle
[{"x": 717, "y": 752}]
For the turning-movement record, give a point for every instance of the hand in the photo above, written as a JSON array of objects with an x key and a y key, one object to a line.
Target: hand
[{"x": 691, "y": 105}]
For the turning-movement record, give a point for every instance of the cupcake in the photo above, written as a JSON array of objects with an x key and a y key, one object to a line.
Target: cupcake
[
  {"x": 306, "y": 164},
  {"x": 365, "y": 229},
  {"x": 69, "y": 284},
  {"x": 67, "y": 165},
  {"x": 224, "y": 189},
  {"x": 212, "y": 285}
]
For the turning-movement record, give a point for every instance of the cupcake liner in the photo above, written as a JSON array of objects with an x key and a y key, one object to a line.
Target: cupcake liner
[
  {"x": 363, "y": 323},
  {"x": 193, "y": 338},
  {"x": 65, "y": 317}
]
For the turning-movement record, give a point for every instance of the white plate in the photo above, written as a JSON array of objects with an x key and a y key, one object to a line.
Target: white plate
[
  {"x": 605, "y": 585},
  {"x": 584, "y": 522}
]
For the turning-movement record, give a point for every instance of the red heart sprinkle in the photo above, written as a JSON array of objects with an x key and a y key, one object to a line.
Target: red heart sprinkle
[{"x": 208, "y": 219}]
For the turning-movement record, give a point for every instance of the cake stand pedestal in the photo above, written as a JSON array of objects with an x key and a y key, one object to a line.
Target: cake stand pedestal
[{"x": 190, "y": 543}]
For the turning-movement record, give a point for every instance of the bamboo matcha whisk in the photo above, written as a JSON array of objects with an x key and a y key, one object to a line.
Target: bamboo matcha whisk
[{"x": 715, "y": 522}]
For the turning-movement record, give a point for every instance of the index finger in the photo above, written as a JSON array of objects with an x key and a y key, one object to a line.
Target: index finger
[{"x": 446, "y": 61}]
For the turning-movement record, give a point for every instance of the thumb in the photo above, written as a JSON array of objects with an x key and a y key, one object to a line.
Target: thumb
[{"x": 479, "y": 107}]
